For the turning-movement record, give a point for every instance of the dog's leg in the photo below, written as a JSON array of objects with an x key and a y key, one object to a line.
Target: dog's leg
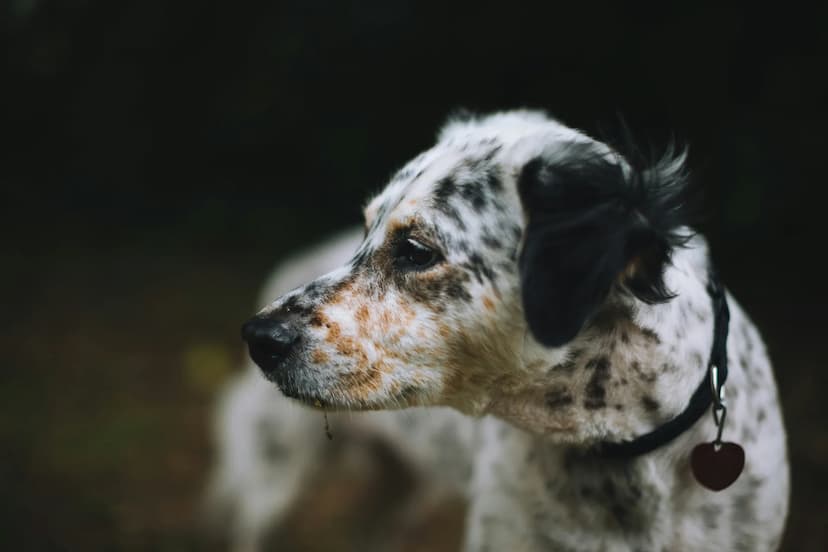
[
  {"x": 500, "y": 516},
  {"x": 271, "y": 449},
  {"x": 437, "y": 446},
  {"x": 268, "y": 449}
]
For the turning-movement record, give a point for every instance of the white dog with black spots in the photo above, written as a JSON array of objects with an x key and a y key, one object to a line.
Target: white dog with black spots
[{"x": 521, "y": 296}]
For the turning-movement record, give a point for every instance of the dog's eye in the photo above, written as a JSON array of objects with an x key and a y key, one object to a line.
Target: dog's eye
[{"x": 413, "y": 255}]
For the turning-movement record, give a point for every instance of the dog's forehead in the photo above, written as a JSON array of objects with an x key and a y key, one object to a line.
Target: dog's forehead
[
  {"x": 470, "y": 161},
  {"x": 420, "y": 179},
  {"x": 440, "y": 189}
]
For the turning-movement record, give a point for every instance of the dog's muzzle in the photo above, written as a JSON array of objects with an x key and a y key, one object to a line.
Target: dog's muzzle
[{"x": 271, "y": 339}]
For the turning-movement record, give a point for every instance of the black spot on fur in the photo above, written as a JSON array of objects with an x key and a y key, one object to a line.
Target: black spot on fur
[
  {"x": 314, "y": 290},
  {"x": 445, "y": 189},
  {"x": 493, "y": 180},
  {"x": 568, "y": 366},
  {"x": 748, "y": 341},
  {"x": 610, "y": 317},
  {"x": 479, "y": 268},
  {"x": 381, "y": 213},
  {"x": 491, "y": 242},
  {"x": 450, "y": 211},
  {"x": 743, "y": 515},
  {"x": 650, "y": 404},
  {"x": 296, "y": 305},
  {"x": 710, "y": 514},
  {"x": 475, "y": 195},
  {"x": 644, "y": 375},
  {"x": 651, "y": 335},
  {"x": 595, "y": 390},
  {"x": 450, "y": 241},
  {"x": 743, "y": 509},
  {"x": 454, "y": 289},
  {"x": 761, "y": 415},
  {"x": 755, "y": 482},
  {"x": 488, "y": 159},
  {"x": 610, "y": 488},
  {"x": 558, "y": 397},
  {"x": 361, "y": 258},
  {"x": 443, "y": 196}
]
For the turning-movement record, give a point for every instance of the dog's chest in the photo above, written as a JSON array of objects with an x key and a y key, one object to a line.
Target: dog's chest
[{"x": 549, "y": 499}]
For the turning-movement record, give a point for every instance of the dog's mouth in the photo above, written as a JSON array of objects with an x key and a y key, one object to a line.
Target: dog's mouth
[
  {"x": 330, "y": 388},
  {"x": 343, "y": 401},
  {"x": 294, "y": 384},
  {"x": 314, "y": 400}
]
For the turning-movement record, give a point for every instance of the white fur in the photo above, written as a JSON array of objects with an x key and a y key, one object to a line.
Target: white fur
[{"x": 528, "y": 487}]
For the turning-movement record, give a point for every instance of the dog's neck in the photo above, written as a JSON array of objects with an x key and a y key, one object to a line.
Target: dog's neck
[{"x": 631, "y": 369}]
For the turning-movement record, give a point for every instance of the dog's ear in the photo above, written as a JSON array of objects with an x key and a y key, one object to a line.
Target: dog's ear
[{"x": 592, "y": 224}]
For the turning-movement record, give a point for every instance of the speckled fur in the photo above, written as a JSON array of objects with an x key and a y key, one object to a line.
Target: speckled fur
[{"x": 516, "y": 438}]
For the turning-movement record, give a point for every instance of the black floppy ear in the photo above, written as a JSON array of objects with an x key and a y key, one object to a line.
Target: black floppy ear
[{"x": 592, "y": 225}]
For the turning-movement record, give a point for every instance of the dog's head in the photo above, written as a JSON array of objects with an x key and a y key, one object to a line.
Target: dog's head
[{"x": 504, "y": 238}]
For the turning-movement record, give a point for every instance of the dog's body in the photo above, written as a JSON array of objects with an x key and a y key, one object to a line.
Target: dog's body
[{"x": 546, "y": 290}]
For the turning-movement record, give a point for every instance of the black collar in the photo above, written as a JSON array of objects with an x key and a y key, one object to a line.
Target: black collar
[{"x": 701, "y": 400}]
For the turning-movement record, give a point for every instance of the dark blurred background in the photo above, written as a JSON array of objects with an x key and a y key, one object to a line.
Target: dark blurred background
[{"x": 161, "y": 156}]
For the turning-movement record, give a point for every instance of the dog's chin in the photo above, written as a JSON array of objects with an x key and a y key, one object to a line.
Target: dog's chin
[
  {"x": 297, "y": 382},
  {"x": 307, "y": 399},
  {"x": 324, "y": 400}
]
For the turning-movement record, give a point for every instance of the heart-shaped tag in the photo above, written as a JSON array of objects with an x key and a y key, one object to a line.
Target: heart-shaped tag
[{"x": 717, "y": 469}]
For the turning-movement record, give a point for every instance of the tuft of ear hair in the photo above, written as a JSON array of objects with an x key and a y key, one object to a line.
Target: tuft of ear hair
[{"x": 595, "y": 223}]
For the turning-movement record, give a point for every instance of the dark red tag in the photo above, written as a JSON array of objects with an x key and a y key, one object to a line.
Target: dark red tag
[{"x": 717, "y": 469}]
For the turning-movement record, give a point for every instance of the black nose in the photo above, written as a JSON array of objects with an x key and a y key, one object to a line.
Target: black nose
[{"x": 269, "y": 340}]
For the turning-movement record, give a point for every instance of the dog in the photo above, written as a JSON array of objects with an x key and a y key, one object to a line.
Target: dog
[{"x": 523, "y": 299}]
